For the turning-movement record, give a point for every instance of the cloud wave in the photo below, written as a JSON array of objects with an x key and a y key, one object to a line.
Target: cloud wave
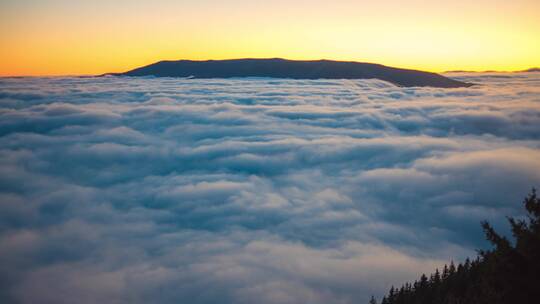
[{"x": 160, "y": 190}]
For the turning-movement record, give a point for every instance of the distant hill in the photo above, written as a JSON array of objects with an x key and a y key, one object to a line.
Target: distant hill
[
  {"x": 493, "y": 71},
  {"x": 282, "y": 68}
]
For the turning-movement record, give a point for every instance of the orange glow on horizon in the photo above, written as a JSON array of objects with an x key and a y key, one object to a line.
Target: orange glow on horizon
[{"x": 60, "y": 37}]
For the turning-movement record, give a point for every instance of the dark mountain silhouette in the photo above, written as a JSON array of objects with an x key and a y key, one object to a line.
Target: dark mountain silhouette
[
  {"x": 532, "y": 70},
  {"x": 282, "y": 68}
]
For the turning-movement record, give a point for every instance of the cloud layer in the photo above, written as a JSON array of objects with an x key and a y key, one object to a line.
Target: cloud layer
[{"x": 144, "y": 190}]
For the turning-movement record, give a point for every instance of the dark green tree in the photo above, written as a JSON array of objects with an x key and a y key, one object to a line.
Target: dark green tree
[{"x": 508, "y": 273}]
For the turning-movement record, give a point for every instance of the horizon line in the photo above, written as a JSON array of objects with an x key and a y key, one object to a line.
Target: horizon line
[{"x": 527, "y": 70}]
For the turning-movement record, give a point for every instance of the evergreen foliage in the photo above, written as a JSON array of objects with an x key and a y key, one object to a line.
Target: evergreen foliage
[{"x": 507, "y": 274}]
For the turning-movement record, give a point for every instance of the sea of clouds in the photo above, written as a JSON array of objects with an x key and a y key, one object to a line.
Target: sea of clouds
[{"x": 163, "y": 190}]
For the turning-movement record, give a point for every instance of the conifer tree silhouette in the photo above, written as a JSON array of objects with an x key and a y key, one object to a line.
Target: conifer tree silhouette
[{"x": 507, "y": 274}]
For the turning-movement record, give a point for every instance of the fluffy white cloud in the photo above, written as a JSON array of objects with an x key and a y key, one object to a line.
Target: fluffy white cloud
[{"x": 145, "y": 190}]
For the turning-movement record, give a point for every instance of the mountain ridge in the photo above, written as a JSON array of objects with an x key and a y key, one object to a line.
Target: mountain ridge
[{"x": 293, "y": 69}]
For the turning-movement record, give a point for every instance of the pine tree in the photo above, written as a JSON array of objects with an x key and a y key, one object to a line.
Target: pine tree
[{"x": 509, "y": 273}]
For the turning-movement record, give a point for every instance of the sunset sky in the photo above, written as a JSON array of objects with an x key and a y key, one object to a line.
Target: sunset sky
[{"x": 61, "y": 37}]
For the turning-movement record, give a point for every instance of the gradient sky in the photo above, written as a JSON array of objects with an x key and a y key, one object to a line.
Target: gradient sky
[{"x": 59, "y": 37}]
